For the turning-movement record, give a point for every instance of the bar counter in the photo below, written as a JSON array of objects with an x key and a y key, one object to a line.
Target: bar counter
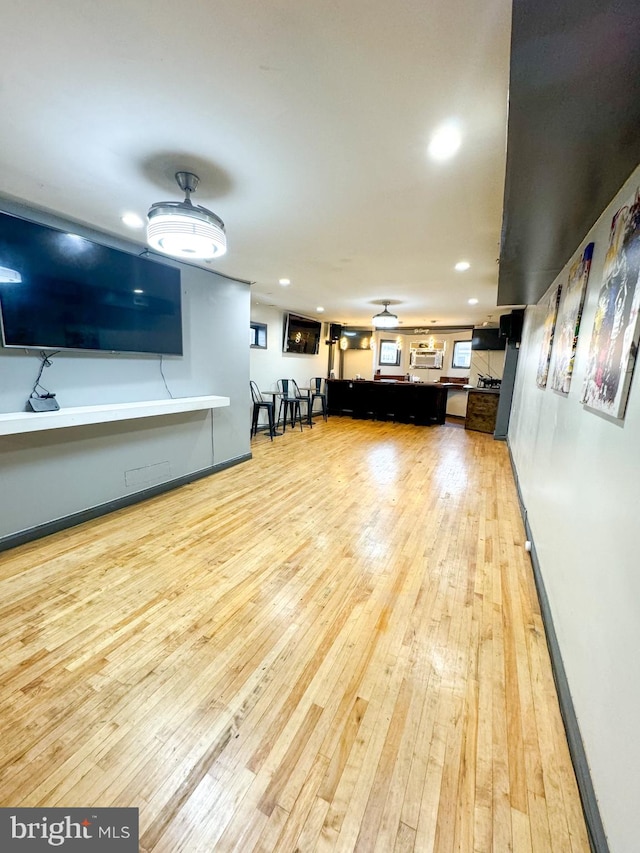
[{"x": 407, "y": 402}]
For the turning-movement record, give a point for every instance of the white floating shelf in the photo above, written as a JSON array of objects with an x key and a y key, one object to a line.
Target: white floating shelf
[{"x": 21, "y": 422}]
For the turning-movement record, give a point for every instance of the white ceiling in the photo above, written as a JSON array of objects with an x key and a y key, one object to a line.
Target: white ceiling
[{"x": 307, "y": 122}]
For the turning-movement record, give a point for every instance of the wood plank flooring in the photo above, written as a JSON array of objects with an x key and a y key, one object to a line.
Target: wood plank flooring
[{"x": 335, "y": 646}]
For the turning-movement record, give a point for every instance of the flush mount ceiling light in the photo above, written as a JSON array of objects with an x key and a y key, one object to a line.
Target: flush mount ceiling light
[
  {"x": 183, "y": 229},
  {"x": 385, "y": 319}
]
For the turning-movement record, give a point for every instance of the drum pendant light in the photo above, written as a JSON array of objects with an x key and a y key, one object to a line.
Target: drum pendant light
[
  {"x": 184, "y": 230},
  {"x": 385, "y": 319}
]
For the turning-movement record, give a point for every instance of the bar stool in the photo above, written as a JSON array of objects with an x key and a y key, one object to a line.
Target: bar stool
[
  {"x": 290, "y": 399},
  {"x": 318, "y": 391},
  {"x": 260, "y": 403}
]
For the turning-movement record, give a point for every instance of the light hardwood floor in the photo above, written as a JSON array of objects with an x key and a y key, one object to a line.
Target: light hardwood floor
[{"x": 335, "y": 646}]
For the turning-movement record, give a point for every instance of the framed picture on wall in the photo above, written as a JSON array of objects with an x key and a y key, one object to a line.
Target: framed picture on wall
[
  {"x": 568, "y": 322},
  {"x": 389, "y": 353},
  {"x": 550, "y": 307},
  {"x": 614, "y": 339}
]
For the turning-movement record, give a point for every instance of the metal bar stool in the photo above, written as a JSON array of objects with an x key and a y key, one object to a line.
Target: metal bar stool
[
  {"x": 317, "y": 390},
  {"x": 258, "y": 404},
  {"x": 290, "y": 400}
]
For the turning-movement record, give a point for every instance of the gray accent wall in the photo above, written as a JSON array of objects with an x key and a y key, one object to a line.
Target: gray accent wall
[{"x": 45, "y": 476}]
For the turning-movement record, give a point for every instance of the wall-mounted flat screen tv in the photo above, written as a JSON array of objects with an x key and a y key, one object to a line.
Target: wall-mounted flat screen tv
[
  {"x": 484, "y": 339},
  {"x": 61, "y": 291},
  {"x": 356, "y": 338},
  {"x": 301, "y": 334}
]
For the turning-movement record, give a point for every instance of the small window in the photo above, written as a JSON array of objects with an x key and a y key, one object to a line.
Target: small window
[
  {"x": 258, "y": 335},
  {"x": 461, "y": 355},
  {"x": 389, "y": 353}
]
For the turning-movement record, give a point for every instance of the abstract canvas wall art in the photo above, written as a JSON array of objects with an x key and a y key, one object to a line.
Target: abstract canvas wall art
[
  {"x": 614, "y": 340},
  {"x": 550, "y": 306},
  {"x": 568, "y": 323}
]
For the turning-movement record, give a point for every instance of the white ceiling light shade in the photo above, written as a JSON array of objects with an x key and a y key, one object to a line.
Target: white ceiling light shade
[
  {"x": 462, "y": 266},
  {"x": 385, "y": 319},
  {"x": 9, "y": 276},
  {"x": 185, "y": 230}
]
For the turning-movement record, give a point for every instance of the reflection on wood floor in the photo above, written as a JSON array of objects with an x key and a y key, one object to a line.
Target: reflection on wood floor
[{"x": 335, "y": 646}]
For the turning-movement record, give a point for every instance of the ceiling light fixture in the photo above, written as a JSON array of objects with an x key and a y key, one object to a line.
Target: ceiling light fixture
[
  {"x": 445, "y": 142},
  {"x": 284, "y": 281},
  {"x": 185, "y": 230},
  {"x": 9, "y": 276},
  {"x": 462, "y": 266},
  {"x": 132, "y": 220},
  {"x": 385, "y": 319},
  {"x": 472, "y": 301}
]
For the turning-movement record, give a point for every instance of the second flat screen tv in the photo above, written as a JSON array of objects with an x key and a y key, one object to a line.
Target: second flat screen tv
[
  {"x": 301, "y": 335},
  {"x": 484, "y": 339},
  {"x": 61, "y": 291}
]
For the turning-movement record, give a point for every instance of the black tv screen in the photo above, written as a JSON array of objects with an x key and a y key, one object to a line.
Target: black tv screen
[
  {"x": 487, "y": 339},
  {"x": 357, "y": 338},
  {"x": 61, "y": 291},
  {"x": 301, "y": 334}
]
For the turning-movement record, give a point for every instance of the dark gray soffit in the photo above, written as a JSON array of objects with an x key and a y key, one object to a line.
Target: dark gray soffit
[{"x": 573, "y": 132}]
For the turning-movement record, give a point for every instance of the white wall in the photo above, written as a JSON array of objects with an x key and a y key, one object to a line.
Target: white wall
[
  {"x": 579, "y": 473},
  {"x": 361, "y": 361}
]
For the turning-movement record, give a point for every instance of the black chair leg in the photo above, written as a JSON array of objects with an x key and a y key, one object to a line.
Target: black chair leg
[
  {"x": 256, "y": 417},
  {"x": 296, "y": 413},
  {"x": 272, "y": 429}
]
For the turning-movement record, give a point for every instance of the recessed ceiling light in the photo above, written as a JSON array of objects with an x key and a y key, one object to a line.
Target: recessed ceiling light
[
  {"x": 473, "y": 301},
  {"x": 137, "y": 290},
  {"x": 445, "y": 142},
  {"x": 132, "y": 220},
  {"x": 284, "y": 281},
  {"x": 461, "y": 266},
  {"x": 320, "y": 309}
]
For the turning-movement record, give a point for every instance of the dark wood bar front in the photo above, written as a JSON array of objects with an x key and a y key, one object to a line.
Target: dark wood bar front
[{"x": 406, "y": 402}]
